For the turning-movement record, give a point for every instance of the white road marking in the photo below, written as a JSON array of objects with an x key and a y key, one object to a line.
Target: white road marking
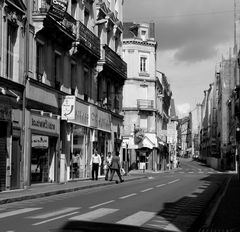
[
  {"x": 130, "y": 195},
  {"x": 92, "y": 215},
  {"x": 190, "y": 172},
  {"x": 210, "y": 172},
  {"x": 104, "y": 203},
  {"x": 18, "y": 211},
  {"x": 55, "y": 213},
  {"x": 160, "y": 185},
  {"x": 173, "y": 181},
  {"x": 145, "y": 190},
  {"x": 137, "y": 219},
  {"x": 53, "y": 219},
  {"x": 171, "y": 227}
]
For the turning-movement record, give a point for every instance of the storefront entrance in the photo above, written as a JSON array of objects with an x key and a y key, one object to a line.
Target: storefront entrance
[
  {"x": 39, "y": 165},
  {"x": 3, "y": 154},
  {"x": 15, "y": 163},
  {"x": 43, "y": 159}
]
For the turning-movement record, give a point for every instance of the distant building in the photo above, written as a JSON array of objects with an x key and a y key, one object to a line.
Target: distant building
[{"x": 143, "y": 99}]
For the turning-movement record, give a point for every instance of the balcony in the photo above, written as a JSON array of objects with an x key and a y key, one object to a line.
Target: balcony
[
  {"x": 114, "y": 62},
  {"x": 63, "y": 29},
  {"x": 87, "y": 40},
  {"x": 144, "y": 104}
]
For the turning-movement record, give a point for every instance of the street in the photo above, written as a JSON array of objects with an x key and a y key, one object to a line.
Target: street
[{"x": 161, "y": 201}]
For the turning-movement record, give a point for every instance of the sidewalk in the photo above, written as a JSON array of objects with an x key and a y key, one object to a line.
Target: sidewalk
[
  {"x": 226, "y": 217},
  {"x": 49, "y": 189}
]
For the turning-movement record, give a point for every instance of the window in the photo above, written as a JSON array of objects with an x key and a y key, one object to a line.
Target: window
[
  {"x": 143, "y": 64},
  {"x": 39, "y": 61},
  {"x": 144, "y": 122},
  {"x": 73, "y": 77},
  {"x": 143, "y": 34},
  {"x": 116, "y": 8},
  {"x": 57, "y": 70},
  {"x": 11, "y": 38},
  {"x": 86, "y": 17},
  {"x": 86, "y": 84}
]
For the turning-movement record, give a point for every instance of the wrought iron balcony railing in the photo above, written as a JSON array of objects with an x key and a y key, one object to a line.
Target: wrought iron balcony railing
[
  {"x": 41, "y": 9},
  {"x": 113, "y": 60},
  {"x": 88, "y": 39},
  {"x": 145, "y": 104}
]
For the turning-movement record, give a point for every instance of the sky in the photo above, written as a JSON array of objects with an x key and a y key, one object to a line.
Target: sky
[{"x": 192, "y": 37}]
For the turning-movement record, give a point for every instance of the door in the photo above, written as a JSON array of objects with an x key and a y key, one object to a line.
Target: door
[
  {"x": 3, "y": 154},
  {"x": 15, "y": 165}
]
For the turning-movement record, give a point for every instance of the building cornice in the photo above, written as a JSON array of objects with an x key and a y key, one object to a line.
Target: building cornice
[{"x": 140, "y": 42}]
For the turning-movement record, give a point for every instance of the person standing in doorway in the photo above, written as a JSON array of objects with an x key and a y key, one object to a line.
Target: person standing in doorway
[
  {"x": 95, "y": 162},
  {"x": 108, "y": 164},
  {"x": 115, "y": 167}
]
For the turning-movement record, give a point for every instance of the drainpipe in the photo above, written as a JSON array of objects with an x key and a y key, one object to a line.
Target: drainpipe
[{"x": 24, "y": 141}]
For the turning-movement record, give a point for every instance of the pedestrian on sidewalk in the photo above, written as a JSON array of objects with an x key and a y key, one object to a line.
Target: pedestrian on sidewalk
[
  {"x": 108, "y": 163},
  {"x": 95, "y": 163},
  {"x": 115, "y": 167}
]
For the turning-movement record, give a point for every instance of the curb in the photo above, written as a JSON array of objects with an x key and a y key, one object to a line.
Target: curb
[{"x": 60, "y": 191}]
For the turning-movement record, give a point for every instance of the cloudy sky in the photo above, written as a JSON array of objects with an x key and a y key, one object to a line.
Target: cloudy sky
[{"x": 192, "y": 36}]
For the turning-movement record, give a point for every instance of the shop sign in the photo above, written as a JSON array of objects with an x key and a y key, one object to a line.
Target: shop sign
[
  {"x": 68, "y": 107},
  {"x": 104, "y": 121},
  {"x": 39, "y": 141},
  {"x": 58, "y": 9},
  {"x": 93, "y": 112},
  {"x": 45, "y": 124},
  {"x": 81, "y": 114},
  {"x": 5, "y": 113}
]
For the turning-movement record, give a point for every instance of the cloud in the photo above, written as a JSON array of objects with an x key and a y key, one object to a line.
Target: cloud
[
  {"x": 189, "y": 28},
  {"x": 183, "y": 110}
]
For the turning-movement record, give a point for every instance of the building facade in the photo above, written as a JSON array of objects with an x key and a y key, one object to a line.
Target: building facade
[
  {"x": 61, "y": 88},
  {"x": 142, "y": 99}
]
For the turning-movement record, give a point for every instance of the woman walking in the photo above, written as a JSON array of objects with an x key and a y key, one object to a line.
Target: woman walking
[
  {"x": 108, "y": 164},
  {"x": 115, "y": 167}
]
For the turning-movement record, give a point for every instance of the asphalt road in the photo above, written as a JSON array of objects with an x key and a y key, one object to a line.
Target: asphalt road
[{"x": 156, "y": 202}]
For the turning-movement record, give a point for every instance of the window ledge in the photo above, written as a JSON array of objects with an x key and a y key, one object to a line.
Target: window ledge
[{"x": 144, "y": 74}]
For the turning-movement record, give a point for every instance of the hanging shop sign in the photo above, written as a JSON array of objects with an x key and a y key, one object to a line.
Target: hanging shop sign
[
  {"x": 39, "y": 141},
  {"x": 58, "y": 9},
  {"x": 68, "y": 107}
]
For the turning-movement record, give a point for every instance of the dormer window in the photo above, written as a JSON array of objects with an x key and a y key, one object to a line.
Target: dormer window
[{"x": 143, "y": 35}]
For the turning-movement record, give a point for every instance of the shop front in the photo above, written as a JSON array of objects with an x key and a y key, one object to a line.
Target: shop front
[
  {"x": 77, "y": 142},
  {"x": 10, "y": 136},
  {"x": 5, "y": 117},
  {"x": 44, "y": 147},
  {"x": 100, "y": 123}
]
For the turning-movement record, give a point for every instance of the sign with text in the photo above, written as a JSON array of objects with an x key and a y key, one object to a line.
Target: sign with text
[
  {"x": 45, "y": 124},
  {"x": 68, "y": 107},
  {"x": 58, "y": 9},
  {"x": 104, "y": 121},
  {"x": 81, "y": 114},
  {"x": 39, "y": 141}
]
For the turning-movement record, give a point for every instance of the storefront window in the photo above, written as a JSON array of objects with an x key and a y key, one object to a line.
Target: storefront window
[
  {"x": 78, "y": 158},
  {"x": 39, "y": 165},
  {"x": 43, "y": 159}
]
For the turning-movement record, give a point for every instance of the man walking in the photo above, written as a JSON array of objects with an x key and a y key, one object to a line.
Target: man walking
[
  {"x": 108, "y": 164},
  {"x": 115, "y": 167},
  {"x": 95, "y": 162}
]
